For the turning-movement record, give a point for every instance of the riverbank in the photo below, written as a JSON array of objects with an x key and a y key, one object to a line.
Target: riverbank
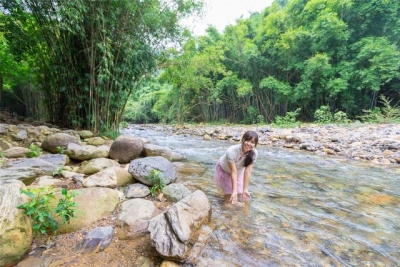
[{"x": 373, "y": 143}]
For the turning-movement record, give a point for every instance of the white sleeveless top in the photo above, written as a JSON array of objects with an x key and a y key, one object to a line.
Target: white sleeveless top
[{"x": 235, "y": 154}]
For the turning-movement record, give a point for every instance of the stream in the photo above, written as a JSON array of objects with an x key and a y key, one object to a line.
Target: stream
[{"x": 306, "y": 210}]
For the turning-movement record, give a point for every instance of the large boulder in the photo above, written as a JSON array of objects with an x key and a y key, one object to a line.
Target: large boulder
[
  {"x": 110, "y": 177},
  {"x": 95, "y": 165},
  {"x": 27, "y": 169},
  {"x": 175, "y": 192},
  {"x": 126, "y": 148},
  {"x": 155, "y": 150},
  {"x": 53, "y": 142},
  {"x": 141, "y": 168},
  {"x": 92, "y": 205},
  {"x": 15, "y": 227},
  {"x": 134, "y": 217},
  {"x": 174, "y": 232}
]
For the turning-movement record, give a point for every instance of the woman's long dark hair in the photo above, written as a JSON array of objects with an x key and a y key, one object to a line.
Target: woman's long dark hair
[{"x": 249, "y": 135}]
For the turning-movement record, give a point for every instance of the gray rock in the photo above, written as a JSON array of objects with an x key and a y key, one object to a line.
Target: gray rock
[
  {"x": 137, "y": 190},
  {"x": 96, "y": 240},
  {"x": 155, "y": 150},
  {"x": 141, "y": 168},
  {"x": 126, "y": 148},
  {"x": 16, "y": 152},
  {"x": 134, "y": 217},
  {"x": 173, "y": 233},
  {"x": 29, "y": 168},
  {"x": 175, "y": 192},
  {"x": 95, "y": 165},
  {"x": 15, "y": 227},
  {"x": 93, "y": 204},
  {"x": 52, "y": 142}
]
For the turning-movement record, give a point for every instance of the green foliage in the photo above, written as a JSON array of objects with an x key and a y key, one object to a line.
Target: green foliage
[
  {"x": 39, "y": 209},
  {"x": 61, "y": 150},
  {"x": 123, "y": 125},
  {"x": 34, "y": 151},
  {"x": 387, "y": 113},
  {"x": 158, "y": 182},
  {"x": 340, "y": 117},
  {"x": 323, "y": 115},
  {"x": 288, "y": 119},
  {"x": 93, "y": 54},
  {"x": 260, "y": 119},
  {"x": 108, "y": 133},
  {"x": 2, "y": 158},
  {"x": 66, "y": 206}
]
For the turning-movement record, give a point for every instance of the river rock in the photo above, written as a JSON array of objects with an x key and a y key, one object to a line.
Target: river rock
[
  {"x": 151, "y": 150},
  {"x": 92, "y": 205},
  {"x": 85, "y": 134},
  {"x": 53, "y": 142},
  {"x": 29, "y": 168},
  {"x": 96, "y": 240},
  {"x": 173, "y": 233},
  {"x": 141, "y": 168},
  {"x": 126, "y": 148},
  {"x": 95, "y": 165},
  {"x": 16, "y": 152},
  {"x": 15, "y": 227},
  {"x": 137, "y": 190},
  {"x": 175, "y": 192},
  {"x": 134, "y": 217}
]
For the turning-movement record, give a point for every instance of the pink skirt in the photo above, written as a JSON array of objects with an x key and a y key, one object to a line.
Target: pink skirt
[{"x": 224, "y": 182}]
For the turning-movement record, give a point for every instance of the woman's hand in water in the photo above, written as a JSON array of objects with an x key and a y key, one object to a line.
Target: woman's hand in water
[
  {"x": 246, "y": 196},
  {"x": 233, "y": 198}
]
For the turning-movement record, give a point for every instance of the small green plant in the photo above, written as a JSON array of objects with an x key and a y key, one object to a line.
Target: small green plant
[
  {"x": 323, "y": 115},
  {"x": 39, "y": 209},
  {"x": 61, "y": 150},
  {"x": 34, "y": 151},
  {"x": 66, "y": 206},
  {"x": 158, "y": 182},
  {"x": 123, "y": 125},
  {"x": 260, "y": 119},
  {"x": 387, "y": 113},
  {"x": 108, "y": 133},
  {"x": 289, "y": 118},
  {"x": 340, "y": 117},
  {"x": 2, "y": 158}
]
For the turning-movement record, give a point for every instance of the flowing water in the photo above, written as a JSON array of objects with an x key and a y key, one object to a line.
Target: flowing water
[{"x": 306, "y": 210}]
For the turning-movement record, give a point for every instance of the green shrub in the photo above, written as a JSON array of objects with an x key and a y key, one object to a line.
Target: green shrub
[
  {"x": 112, "y": 134},
  {"x": 39, "y": 209},
  {"x": 387, "y": 113},
  {"x": 2, "y": 158},
  {"x": 34, "y": 151},
  {"x": 61, "y": 150},
  {"x": 340, "y": 117},
  {"x": 260, "y": 119},
  {"x": 323, "y": 115},
  {"x": 123, "y": 125},
  {"x": 158, "y": 182},
  {"x": 289, "y": 118}
]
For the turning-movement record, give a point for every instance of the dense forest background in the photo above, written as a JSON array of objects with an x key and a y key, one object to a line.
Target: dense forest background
[{"x": 87, "y": 64}]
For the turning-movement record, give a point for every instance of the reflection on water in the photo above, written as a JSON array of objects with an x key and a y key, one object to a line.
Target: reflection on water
[{"x": 306, "y": 210}]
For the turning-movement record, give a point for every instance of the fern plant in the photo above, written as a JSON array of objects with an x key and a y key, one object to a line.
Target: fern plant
[
  {"x": 34, "y": 151},
  {"x": 155, "y": 177},
  {"x": 387, "y": 113}
]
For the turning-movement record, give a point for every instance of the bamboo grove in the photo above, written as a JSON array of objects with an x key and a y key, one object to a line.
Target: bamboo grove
[
  {"x": 341, "y": 55},
  {"x": 89, "y": 56},
  {"x": 93, "y": 62}
]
